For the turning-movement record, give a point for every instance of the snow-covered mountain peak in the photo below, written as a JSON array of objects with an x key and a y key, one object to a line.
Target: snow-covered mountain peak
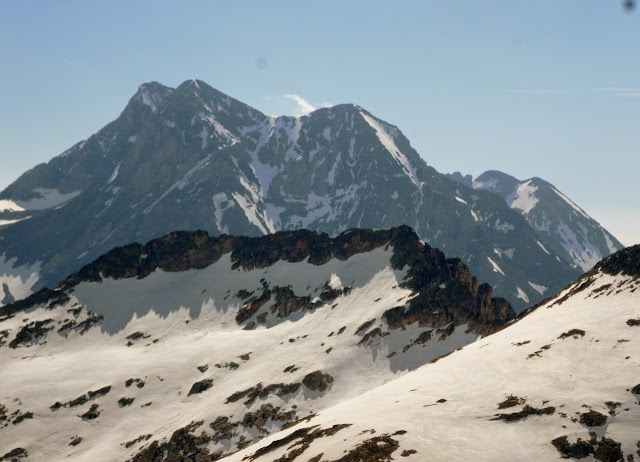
[
  {"x": 152, "y": 94},
  {"x": 204, "y": 160},
  {"x": 563, "y": 227}
]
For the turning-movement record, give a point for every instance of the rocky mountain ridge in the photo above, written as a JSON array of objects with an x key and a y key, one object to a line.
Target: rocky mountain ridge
[
  {"x": 194, "y": 158},
  {"x": 563, "y": 227},
  {"x": 197, "y": 344},
  {"x": 462, "y": 301}
]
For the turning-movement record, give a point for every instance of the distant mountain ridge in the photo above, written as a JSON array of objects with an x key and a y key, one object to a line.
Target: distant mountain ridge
[
  {"x": 563, "y": 227},
  {"x": 194, "y": 158}
]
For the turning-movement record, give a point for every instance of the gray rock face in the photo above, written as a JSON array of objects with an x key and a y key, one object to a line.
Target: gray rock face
[
  {"x": 193, "y": 158},
  {"x": 562, "y": 227}
]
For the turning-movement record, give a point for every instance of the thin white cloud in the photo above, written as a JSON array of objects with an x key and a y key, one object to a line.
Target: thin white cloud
[
  {"x": 632, "y": 92},
  {"x": 534, "y": 92},
  {"x": 304, "y": 106}
]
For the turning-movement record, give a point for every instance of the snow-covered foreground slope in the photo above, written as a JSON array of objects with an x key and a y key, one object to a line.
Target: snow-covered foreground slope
[
  {"x": 563, "y": 381},
  {"x": 197, "y": 344}
]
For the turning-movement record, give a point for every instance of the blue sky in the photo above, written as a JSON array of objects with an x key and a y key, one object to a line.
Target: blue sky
[{"x": 547, "y": 88}]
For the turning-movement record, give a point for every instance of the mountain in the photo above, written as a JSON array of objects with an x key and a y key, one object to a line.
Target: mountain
[
  {"x": 561, "y": 383},
  {"x": 563, "y": 227},
  {"x": 194, "y": 158},
  {"x": 198, "y": 344}
]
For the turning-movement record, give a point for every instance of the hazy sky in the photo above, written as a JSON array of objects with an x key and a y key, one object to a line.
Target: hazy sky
[{"x": 547, "y": 88}]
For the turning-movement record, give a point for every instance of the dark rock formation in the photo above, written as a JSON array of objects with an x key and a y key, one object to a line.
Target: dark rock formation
[
  {"x": 15, "y": 454},
  {"x": 461, "y": 301},
  {"x": 200, "y": 386},
  {"x": 92, "y": 413},
  {"x": 578, "y": 450},
  {"x": 260, "y": 391},
  {"x": 511, "y": 401},
  {"x": 122, "y": 402},
  {"x": 605, "y": 450},
  {"x": 575, "y": 333},
  {"x": 31, "y": 332},
  {"x": 593, "y": 419},
  {"x": 524, "y": 413},
  {"x": 625, "y": 261},
  {"x": 183, "y": 445},
  {"x": 317, "y": 381}
]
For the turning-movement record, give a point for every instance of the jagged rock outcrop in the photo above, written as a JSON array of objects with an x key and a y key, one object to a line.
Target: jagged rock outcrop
[{"x": 445, "y": 290}]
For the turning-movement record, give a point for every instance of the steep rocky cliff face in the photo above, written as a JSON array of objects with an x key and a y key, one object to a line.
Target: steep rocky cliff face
[
  {"x": 193, "y": 158},
  {"x": 198, "y": 345}
]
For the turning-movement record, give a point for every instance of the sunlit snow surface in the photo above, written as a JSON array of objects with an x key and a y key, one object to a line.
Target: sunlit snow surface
[
  {"x": 523, "y": 198},
  {"x": 9, "y": 206},
  {"x": 529, "y": 360},
  {"x": 47, "y": 198},
  {"x": 188, "y": 320}
]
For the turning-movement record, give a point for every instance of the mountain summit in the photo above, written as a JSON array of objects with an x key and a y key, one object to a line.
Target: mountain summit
[
  {"x": 194, "y": 158},
  {"x": 563, "y": 227}
]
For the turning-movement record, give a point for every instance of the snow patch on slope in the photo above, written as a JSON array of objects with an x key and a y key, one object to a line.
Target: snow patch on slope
[
  {"x": 253, "y": 214},
  {"x": 9, "y": 206},
  {"x": 610, "y": 245},
  {"x": 48, "y": 198},
  {"x": 10, "y": 222},
  {"x": 523, "y": 198},
  {"x": 390, "y": 145},
  {"x": 543, "y": 248},
  {"x": 496, "y": 268},
  {"x": 522, "y": 295},
  {"x": 265, "y": 173},
  {"x": 114, "y": 175},
  {"x": 585, "y": 255},
  {"x": 181, "y": 183},
  {"x": 538, "y": 288},
  {"x": 220, "y": 204}
]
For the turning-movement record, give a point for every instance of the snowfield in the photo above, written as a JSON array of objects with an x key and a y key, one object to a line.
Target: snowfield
[
  {"x": 118, "y": 366},
  {"x": 237, "y": 350},
  {"x": 507, "y": 397}
]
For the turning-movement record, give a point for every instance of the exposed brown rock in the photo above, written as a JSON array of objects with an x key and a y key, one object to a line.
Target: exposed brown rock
[
  {"x": 92, "y": 413},
  {"x": 200, "y": 386},
  {"x": 183, "y": 445},
  {"x": 462, "y": 301},
  {"x": 511, "y": 401},
  {"x": 524, "y": 413},
  {"x": 317, "y": 381},
  {"x": 593, "y": 419},
  {"x": 575, "y": 333}
]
